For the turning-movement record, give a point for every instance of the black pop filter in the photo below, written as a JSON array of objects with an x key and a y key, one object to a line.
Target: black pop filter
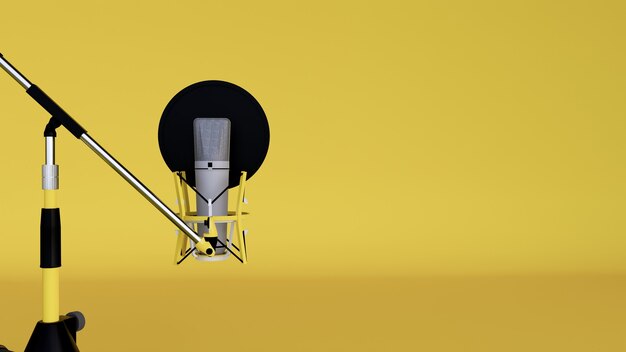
[{"x": 249, "y": 132}]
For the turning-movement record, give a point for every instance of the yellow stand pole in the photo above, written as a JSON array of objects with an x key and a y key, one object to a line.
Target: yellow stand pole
[
  {"x": 50, "y": 275},
  {"x": 50, "y": 295},
  {"x": 54, "y": 332}
]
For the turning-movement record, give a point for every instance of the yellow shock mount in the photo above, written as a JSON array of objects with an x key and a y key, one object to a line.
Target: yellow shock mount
[{"x": 234, "y": 220}]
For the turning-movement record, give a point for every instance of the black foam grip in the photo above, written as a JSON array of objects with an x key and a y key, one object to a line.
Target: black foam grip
[
  {"x": 50, "y": 238},
  {"x": 55, "y": 110}
]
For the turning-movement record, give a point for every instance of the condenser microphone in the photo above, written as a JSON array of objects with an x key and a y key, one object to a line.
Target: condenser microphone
[
  {"x": 211, "y": 138},
  {"x": 218, "y": 135}
]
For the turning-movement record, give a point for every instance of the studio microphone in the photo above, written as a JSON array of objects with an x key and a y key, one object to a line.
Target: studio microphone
[
  {"x": 218, "y": 135},
  {"x": 211, "y": 154}
]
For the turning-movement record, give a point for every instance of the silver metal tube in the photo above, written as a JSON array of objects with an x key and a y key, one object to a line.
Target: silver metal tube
[
  {"x": 13, "y": 72},
  {"x": 50, "y": 171},
  {"x": 49, "y": 150},
  {"x": 140, "y": 188}
]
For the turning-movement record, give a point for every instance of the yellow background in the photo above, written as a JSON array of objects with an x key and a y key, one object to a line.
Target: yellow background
[{"x": 450, "y": 139}]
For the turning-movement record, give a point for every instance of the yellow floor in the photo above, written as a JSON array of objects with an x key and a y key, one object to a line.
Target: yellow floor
[{"x": 577, "y": 313}]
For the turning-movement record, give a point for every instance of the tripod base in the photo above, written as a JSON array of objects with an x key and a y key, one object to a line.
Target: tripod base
[{"x": 55, "y": 337}]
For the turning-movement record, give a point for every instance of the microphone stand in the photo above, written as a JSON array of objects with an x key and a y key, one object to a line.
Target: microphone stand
[{"x": 57, "y": 333}]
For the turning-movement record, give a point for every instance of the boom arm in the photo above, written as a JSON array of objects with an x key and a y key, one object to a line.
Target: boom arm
[{"x": 79, "y": 132}]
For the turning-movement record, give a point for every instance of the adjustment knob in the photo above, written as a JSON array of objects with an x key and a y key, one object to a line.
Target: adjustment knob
[{"x": 79, "y": 316}]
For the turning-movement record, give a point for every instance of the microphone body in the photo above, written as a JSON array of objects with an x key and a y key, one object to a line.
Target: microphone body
[{"x": 212, "y": 152}]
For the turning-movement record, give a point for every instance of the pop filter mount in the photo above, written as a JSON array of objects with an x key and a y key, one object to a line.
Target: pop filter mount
[{"x": 249, "y": 146}]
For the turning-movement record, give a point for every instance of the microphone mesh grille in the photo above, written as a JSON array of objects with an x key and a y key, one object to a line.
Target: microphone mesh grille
[{"x": 211, "y": 137}]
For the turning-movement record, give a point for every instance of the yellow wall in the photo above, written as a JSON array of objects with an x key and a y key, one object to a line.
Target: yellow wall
[{"x": 439, "y": 137}]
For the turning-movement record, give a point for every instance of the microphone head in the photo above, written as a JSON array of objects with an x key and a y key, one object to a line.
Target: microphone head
[{"x": 211, "y": 139}]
